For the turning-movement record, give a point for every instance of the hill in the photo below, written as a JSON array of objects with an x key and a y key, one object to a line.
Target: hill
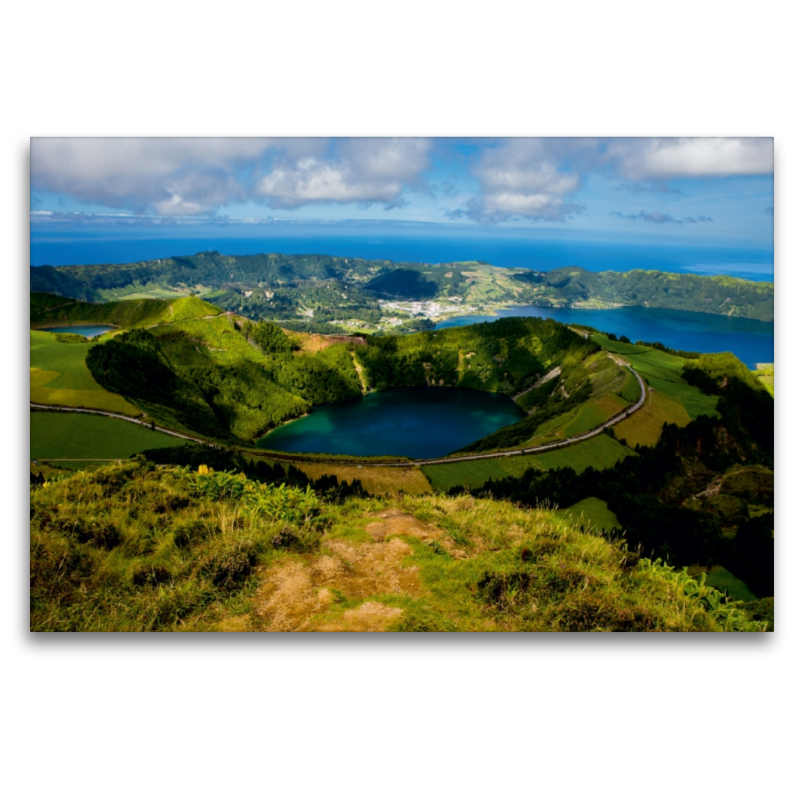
[
  {"x": 49, "y": 309},
  {"x": 353, "y": 292},
  {"x": 230, "y": 379},
  {"x": 719, "y": 294},
  {"x": 217, "y": 551}
]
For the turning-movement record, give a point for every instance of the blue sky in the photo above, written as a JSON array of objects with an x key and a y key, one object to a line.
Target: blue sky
[{"x": 678, "y": 191}]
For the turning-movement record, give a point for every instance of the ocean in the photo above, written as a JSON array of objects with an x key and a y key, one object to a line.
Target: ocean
[{"x": 500, "y": 248}]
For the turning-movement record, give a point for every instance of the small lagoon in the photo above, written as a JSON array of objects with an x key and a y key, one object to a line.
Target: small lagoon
[
  {"x": 423, "y": 422},
  {"x": 89, "y": 331}
]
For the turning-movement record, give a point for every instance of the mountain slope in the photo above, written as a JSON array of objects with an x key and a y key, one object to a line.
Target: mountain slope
[{"x": 216, "y": 551}]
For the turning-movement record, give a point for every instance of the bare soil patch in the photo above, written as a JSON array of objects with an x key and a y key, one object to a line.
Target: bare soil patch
[{"x": 302, "y": 594}]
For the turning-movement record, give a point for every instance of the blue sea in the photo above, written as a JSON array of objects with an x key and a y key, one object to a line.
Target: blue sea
[{"x": 502, "y": 248}]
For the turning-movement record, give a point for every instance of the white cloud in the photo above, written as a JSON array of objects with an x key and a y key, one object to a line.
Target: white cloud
[
  {"x": 360, "y": 170},
  {"x": 173, "y": 176},
  {"x": 520, "y": 179},
  {"x": 648, "y": 159},
  {"x": 183, "y": 177}
]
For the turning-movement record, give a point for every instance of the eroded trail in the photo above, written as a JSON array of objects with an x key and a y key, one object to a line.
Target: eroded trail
[{"x": 300, "y": 593}]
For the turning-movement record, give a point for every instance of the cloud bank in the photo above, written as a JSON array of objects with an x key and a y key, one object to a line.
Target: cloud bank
[{"x": 497, "y": 181}]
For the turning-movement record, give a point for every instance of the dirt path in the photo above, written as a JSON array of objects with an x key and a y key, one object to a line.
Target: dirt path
[{"x": 360, "y": 373}]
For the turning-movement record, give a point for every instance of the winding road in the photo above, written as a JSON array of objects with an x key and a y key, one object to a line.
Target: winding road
[{"x": 542, "y": 448}]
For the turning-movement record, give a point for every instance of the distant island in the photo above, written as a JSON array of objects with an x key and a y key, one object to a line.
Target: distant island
[{"x": 329, "y": 294}]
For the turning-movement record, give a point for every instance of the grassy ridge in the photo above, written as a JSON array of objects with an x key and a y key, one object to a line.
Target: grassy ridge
[
  {"x": 50, "y": 309},
  {"x": 213, "y": 551},
  {"x": 766, "y": 374}
]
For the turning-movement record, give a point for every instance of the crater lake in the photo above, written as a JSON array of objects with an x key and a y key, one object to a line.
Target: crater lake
[{"x": 419, "y": 422}]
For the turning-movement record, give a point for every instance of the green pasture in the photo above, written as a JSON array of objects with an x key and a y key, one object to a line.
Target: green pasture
[
  {"x": 662, "y": 371},
  {"x": 630, "y": 391},
  {"x": 156, "y": 291},
  {"x": 592, "y": 511},
  {"x": 476, "y": 473},
  {"x": 600, "y": 452},
  {"x": 59, "y": 376},
  {"x": 87, "y": 437},
  {"x": 577, "y": 420},
  {"x": 645, "y": 426},
  {"x": 588, "y": 416}
]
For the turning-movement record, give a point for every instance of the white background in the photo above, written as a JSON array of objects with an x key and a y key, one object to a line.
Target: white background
[{"x": 415, "y": 716}]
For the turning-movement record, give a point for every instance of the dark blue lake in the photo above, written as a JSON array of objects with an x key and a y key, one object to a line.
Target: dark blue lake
[
  {"x": 752, "y": 341},
  {"x": 89, "y": 331},
  {"x": 423, "y": 422}
]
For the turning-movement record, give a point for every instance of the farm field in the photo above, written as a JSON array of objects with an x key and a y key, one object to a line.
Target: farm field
[
  {"x": 376, "y": 480},
  {"x": 151, "y": 291},
  {"x": 475, "y": 473},
  {"x": 59, "y": 376},
  {"x": 578, "y": 420},
  {"x": 644, "y": 427},
  {"x": 87, "y": 437},
  {"x": 599, "y": 452},
  {"x": 662, "y": 371},
  {"x": 591, "y": 511}
]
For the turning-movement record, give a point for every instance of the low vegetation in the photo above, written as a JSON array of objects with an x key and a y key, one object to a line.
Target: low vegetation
[
  {"x": 137, "y": 547},
  {"x": 86, "y": 437},
  {"x": 766, "y": 374}
]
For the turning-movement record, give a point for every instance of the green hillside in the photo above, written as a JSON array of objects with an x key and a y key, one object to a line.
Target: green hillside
[
  {"x": 217, "y": 551},
  {"x": 655, "y": 289},
  {"x": 350, "y": 290},
  {"x": 49, "y": 309},
  {"x": 230, "y": 379}
]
